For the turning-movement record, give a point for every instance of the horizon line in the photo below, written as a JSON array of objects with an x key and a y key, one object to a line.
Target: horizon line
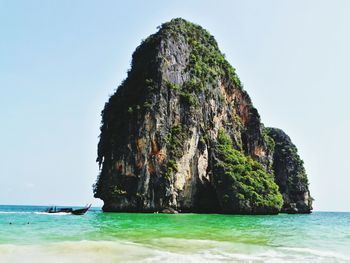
[{"x": 324, "y": 211}]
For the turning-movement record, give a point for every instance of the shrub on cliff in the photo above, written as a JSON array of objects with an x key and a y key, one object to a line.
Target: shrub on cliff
[{"x": 243, "y": 186}]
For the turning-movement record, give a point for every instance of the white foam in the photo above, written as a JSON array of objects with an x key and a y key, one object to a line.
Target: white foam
[
  {"x": 196, "y": 251},
  {"x": 82, "y": 251},
  {"x": 37, "y": 213},
  {"x": 13, "y": 212},
  {"x": 318, "y": 253},
  {"x": 52, "y": 214}
]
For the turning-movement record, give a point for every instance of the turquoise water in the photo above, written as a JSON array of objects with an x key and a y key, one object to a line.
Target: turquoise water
[{"x": 29, "y": 235}]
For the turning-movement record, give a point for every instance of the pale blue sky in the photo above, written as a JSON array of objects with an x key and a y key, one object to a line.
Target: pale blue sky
[{"x": 60, "y": 61}]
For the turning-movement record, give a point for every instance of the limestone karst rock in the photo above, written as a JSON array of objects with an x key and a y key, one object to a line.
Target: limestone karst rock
[
  {"x": 290, "y": 174},
  {"x": 180, "y": 132}
]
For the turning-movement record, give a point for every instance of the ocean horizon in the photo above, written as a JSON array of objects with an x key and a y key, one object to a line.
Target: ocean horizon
[
  {"x": 28, "y": 234},
  {"x": 99, "y": 207}
]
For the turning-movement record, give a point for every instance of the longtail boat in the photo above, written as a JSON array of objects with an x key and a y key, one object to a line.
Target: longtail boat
[{"x": 80, "y": 211}]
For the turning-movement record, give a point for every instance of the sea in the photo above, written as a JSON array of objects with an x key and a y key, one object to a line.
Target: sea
[{"x": 28, "y": 234}]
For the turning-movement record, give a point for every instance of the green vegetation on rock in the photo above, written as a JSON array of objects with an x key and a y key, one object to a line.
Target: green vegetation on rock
[
  {"x": 186, "y": 94},
  {"x": 270, "y": 143},
  {"x": 243, "y": 185},
  {"x": 175, "y": 140},
  {"x": 171, "y": 168},
  {"x": 206, "y": 63}
]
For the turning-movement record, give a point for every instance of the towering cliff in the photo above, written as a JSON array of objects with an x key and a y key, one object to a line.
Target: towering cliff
[
  {"x": 180, "y": 132},
  {"x": 290, "y": 174}
]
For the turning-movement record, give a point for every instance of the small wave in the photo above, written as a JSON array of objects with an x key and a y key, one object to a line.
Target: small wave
[
  {"x": 37, "y": 213},
  {"x": 32, "y": 212},
  {"x": 15, "y": 212},
  {"x": 111, "y": 251},
  {"x": 52, "y": 214},
  {"x": 127, "y": 251},
  {"x": 314, "y": 252}
]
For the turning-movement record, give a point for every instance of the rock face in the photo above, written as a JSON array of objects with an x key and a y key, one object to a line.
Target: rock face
[
  {"x": 290, "y": 174},
  {"x": 181, "y": 133}
]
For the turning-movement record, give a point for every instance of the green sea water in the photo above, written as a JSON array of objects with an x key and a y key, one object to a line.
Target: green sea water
[{"x": 29, "y": 235}]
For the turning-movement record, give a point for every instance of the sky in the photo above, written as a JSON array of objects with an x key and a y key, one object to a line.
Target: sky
[{"x": 61, "y": 60}]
